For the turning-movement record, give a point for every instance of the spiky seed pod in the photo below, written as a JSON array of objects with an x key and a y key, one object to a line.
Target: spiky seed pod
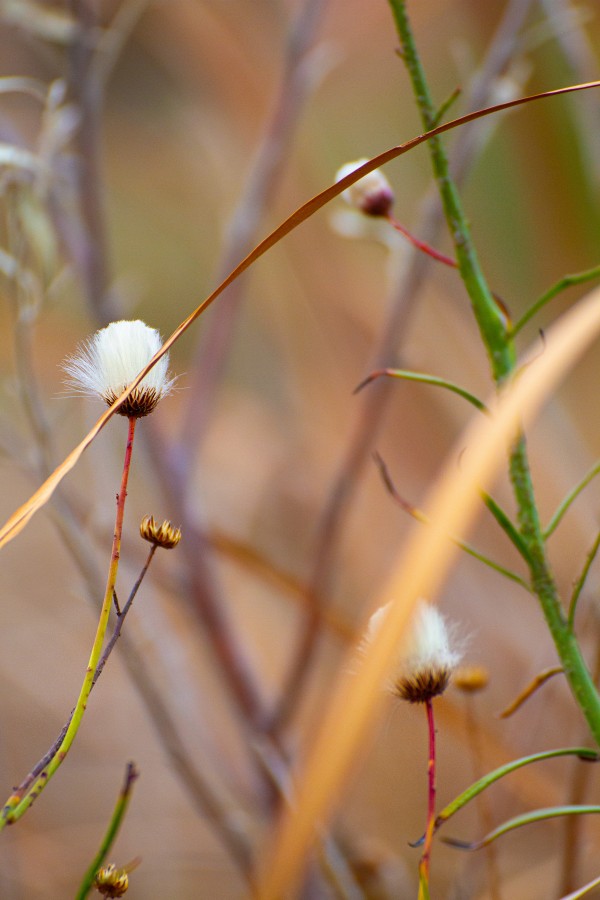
[
  {"x": 372, "y": 194},
  {"x": 111, "y": 882},
  {"x": 425, "y": 661},
  {"x": 165, "y": 535},
  {"x": 109, "y": 361}
]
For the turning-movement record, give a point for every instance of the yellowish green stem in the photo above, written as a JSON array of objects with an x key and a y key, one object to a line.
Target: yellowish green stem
[{"x": 17, "y": 805}]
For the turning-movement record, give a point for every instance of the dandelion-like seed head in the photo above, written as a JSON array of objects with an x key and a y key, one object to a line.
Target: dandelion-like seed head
[
  {"x": 165, "y": 535},
  {"x": 109, "y": 361},
  {"x": 372, "y": 194},
  {"x": 111, "y": 882},
  {"x": 426, "y": 659}
]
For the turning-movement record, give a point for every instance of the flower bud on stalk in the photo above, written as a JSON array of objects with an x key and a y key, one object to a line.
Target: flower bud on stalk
[
  {"x": 372, "y": 194},
  {"x": 165, "y": 535}
]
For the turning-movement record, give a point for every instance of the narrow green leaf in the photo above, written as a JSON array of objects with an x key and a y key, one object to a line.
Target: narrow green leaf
[
  {"x": 538, "y": 815},
  {"x": 561, "y": 285},
  {"x": 445, "y": 106},
  {"x": 581, "y": 892},
  {"x": 583, "y": 753},
  {"x": 506, "y": 525},
  {"x": 581, "y": 580},
  {"x": 568, "y": 500},
  {"x": 424, "y": 378}
]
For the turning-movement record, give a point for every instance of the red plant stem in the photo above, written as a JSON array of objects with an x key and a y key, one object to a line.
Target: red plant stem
[
  {"x": 422, "y": 245},
  {"x": 424, "y": 864}
]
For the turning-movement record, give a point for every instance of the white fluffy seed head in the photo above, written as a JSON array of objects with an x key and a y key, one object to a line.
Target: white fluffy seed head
[
  {"x": 426, "y": 659},
  {"x": 372, "y": 194},
  {"x": 108, "y": 362}
]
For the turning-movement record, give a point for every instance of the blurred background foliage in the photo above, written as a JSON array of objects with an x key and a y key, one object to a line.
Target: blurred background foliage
[{"x": 178, "y": 122}]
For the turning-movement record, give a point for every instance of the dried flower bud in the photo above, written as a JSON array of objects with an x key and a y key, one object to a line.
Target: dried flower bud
[
  {"x": 110, "y": 360},
  {"x": 164, "y": 535},
  {"x": 111, "y": 882},
  {"x": 425, "y": 662},
  {"x": 372, "y": 194},
  {"x": 471, "y": 679}
]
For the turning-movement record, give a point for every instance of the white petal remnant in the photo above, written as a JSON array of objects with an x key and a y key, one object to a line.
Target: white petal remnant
[
  {"x": 372, "y": 194},
  {"x": 424, "y": 664},
  {"x": 109, "y": 361}
]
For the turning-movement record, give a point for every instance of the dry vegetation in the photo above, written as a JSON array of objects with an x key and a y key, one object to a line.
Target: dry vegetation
[{"x": 155, "y": 144}]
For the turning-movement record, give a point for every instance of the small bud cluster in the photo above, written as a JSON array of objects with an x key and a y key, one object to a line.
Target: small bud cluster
[{"x": 426, "y": 660}]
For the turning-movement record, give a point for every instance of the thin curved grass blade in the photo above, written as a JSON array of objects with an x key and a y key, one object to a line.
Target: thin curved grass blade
[
  {"x": 538, "y": 815},
  {"x": 584, "y": 753},
  {"x": 424, "y": 378},
  {"x": 22, "y": 516}
]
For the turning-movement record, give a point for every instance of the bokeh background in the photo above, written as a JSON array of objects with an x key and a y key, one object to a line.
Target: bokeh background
[{"x": 175, "y": 136}]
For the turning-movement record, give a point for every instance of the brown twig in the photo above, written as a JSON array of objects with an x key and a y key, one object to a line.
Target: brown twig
[
  {"x": 203, "y": 594},
  {"x": 87, "y": 93},
  {"x": 297, "y": 81},
  {"x": 173, "y": 460}
]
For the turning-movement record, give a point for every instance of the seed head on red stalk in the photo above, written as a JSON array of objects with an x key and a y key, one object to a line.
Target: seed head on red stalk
[
  {"x": 107, "y": 363},
  {"x": 426, "y": 658}
]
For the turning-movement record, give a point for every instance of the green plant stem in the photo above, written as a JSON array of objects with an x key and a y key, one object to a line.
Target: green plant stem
[
  {"x": 17, "y": 805},
  {"x": 495, "y": 332},
  {"x": 491, "y": 319},
  {"x": 131, "y": 774},
  {"x": 543, "y": 584}
]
